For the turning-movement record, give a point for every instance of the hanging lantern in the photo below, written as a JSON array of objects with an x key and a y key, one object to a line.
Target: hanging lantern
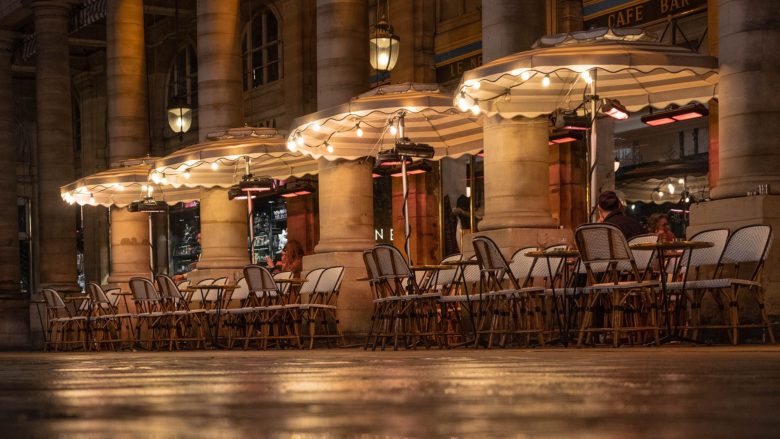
[
  {"x": 383, "y": 47},
  {"x": 179, "y": 116}
]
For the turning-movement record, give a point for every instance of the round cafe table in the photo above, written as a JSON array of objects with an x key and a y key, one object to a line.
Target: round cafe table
[{"x": 662, "y": 250}]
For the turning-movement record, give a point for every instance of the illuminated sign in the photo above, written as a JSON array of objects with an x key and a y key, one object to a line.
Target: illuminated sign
[{"x": 630, "y": 13}]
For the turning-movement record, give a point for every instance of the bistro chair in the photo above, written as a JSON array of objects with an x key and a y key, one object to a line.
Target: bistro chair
[
  {"x": 697, "y": 270},
  {"x": 62, "y": 324},
  {"x": 151, "y": 318},
  {"x": 513, "y": 309},
  {"x": 738, "y": 273},
  {"x": 382, "y": 316},
  {"x": 276, "y": 321},
  {"x": 187, "y": 324},
  {"x": 108, "y": 322},
  {"x": 414, "y": 310},
  {"x": 628, "y": 304},
  {"x": 320, "y": 309}
]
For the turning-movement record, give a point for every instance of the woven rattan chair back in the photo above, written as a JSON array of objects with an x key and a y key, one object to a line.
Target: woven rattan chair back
[
  {"x": 521, "y": 265},
  {"x": 445, "y": 278},
  {"x": 260, "y": 281},
  {"x": 241, "y": 293},
  {"x": 55, "y": 306},
  {"x": 703, "y": 262},
  {"x": 98, "y": 296},
  {"x": 748, "y": 245},
  {"x": 372, "y": 273},
  {"x": 146, "y": 298},
  {"x": 603, "y": 245},
  {"x": 492, "y": 263},
  {"x": 391, "y": 263},
  {"x": 642, "y": 258},
  {"x": 330, "y": 280},
  {"x": 312, "y": 278},
  {"x": 394, "y": 272}
]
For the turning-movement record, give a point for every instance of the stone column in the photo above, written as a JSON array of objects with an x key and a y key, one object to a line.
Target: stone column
[
  {"x": 517, "y": 157},
  {"x": 510, "y": 26},
  {"x": 128, "y": 130},
  {"x": 516, "y": 148},
  {"x": 56, "y": 220},
  {"x": 220, "y": 105},
  {"x": 747, "y": 141},
  {"x": 14, "y": 312},
  {"x": 345, "y": 188},
  {"x": 749, "y": 153}
]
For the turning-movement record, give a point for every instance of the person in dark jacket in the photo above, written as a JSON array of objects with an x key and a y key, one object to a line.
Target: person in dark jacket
[{"x": 611, "y": 211}]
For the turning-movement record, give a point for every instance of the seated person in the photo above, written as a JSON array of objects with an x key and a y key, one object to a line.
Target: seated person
[
  {"x": 292, "y": 259},
  {"x": 658, "y": 224},
  {"x": 611, "y": 211}
]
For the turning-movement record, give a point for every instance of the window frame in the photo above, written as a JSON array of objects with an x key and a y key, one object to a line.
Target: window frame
[
  {"x": 248, "y": 50},
  {"x": 191, "y": 80}
]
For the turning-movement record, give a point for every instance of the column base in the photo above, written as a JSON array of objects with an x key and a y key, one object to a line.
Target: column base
[
  {"x": 355, "y": 298},
  {"x": 515, "y": 220},
  {"x": 733, "y": 213},
  {"x": 509, "y": 240}
]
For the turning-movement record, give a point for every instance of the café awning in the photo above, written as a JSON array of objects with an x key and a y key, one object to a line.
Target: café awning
[
  {"x": 120, "y": 186},
  {"x": 221, "y": 162},
  {"x": 368, "y": 123},
  {"x": 628, "y": 64}
]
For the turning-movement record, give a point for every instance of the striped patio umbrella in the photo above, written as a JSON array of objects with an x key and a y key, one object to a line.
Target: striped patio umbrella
[
  {"x": 222, "y": 162},
  {"x": 627, "y": 64},
  {"x": 119, "y": 186},
  {"x": 367, "y": 124}
]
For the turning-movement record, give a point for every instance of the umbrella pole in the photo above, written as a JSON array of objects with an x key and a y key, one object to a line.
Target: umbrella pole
[
  {"x": 251, "y": 223},
  {"x": 151, "y": 245},
  {"x": 405, "y": 187},
  {"x": 407, "y": 231},
  {"x": 591, "y": 195}
]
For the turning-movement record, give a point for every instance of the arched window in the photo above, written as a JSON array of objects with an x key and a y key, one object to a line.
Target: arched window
[
  {"x": 183, "y": 77},
  {"x": 260, "y": 48}
]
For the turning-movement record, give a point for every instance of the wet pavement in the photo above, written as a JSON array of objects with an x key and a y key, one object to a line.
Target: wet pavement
[{"x": 600, "y": 393}]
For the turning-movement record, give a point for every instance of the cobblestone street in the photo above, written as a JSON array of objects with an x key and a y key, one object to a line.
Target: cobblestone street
[{"x": 605, "y": 393}]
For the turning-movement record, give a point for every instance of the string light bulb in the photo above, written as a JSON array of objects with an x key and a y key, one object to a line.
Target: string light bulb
[
  {"x": 316, "y": 127},
  {"x": 463, "y": 104},
  {"x": 393, "y": 129},
  {"x": 525, "y": 76},
  {"x": 299, "y": 140},
  {"x": 475, "y": 110},
  {"x": 187, "y": 174},
  {"x": 214, "y": 166},
  {"x": 329, "y": 148},
  {"x": 359, "y": 131},
  {"x": 586, "y": 77},
  {"x": 671, "y": 188},
  {"x": 546, "y": 81},
  {"x": 292, "y": 146},
  {"x": 92, "y": 201},
  {"x": 681, "y": 181}
]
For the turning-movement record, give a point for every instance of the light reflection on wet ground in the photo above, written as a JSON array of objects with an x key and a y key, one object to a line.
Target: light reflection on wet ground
[{"x": 610, "y": 393}]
